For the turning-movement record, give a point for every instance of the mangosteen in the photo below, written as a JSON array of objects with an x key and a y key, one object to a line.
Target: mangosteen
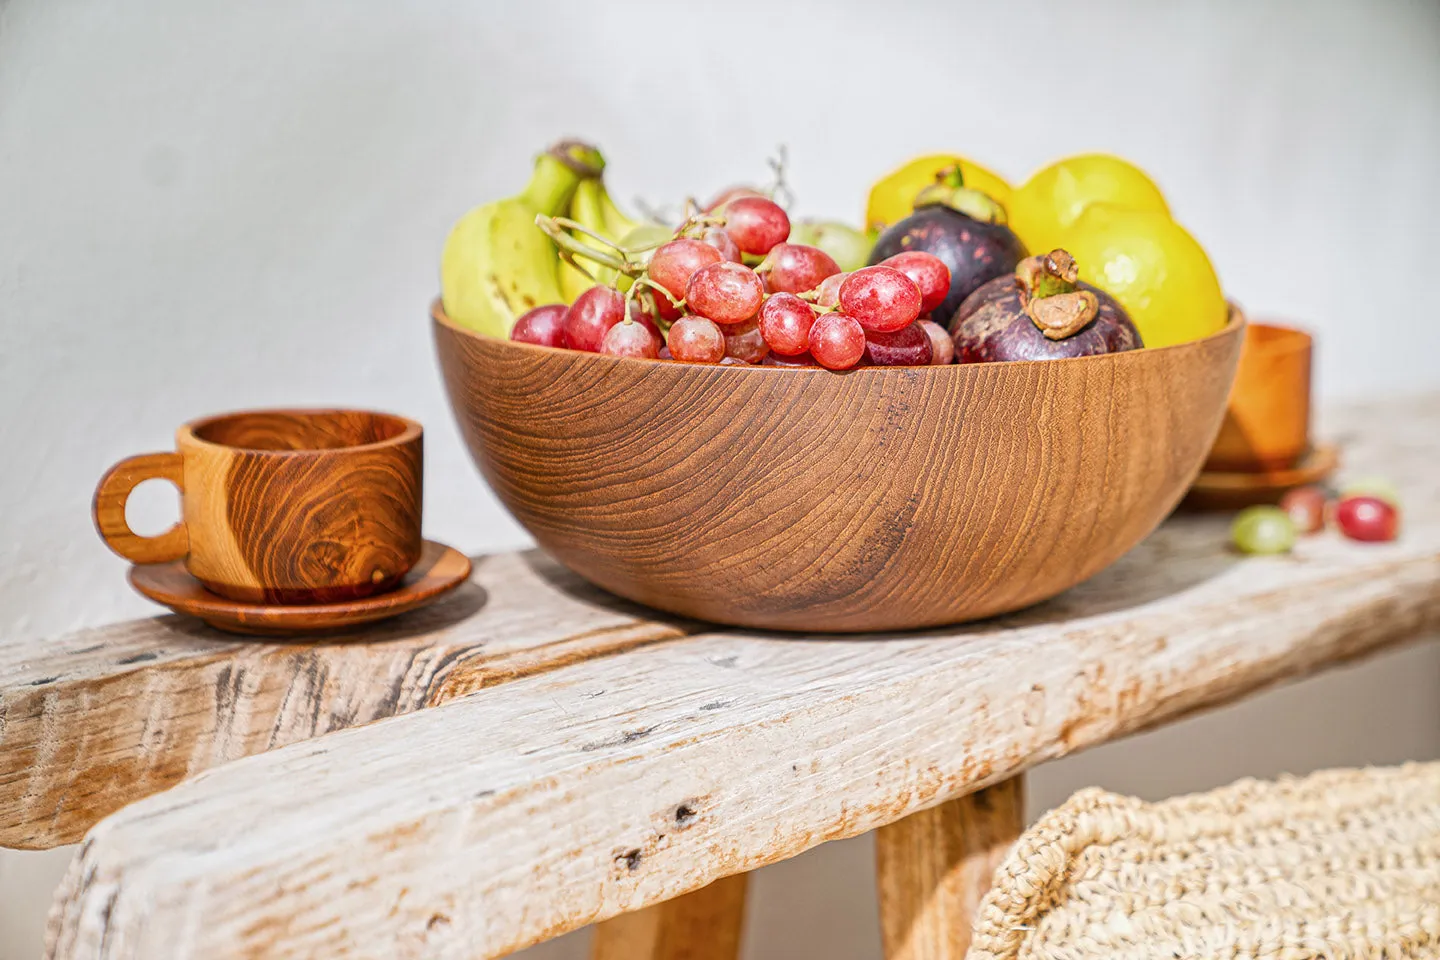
[
  {"x": 1041, "y": 312},
  {"x": 963, "y": 227}
]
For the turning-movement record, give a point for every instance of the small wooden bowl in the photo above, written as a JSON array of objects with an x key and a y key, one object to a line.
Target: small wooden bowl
[{"x": 882, "y": 498}]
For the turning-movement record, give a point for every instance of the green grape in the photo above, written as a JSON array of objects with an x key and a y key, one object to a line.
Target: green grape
[
  {"x": 1377, "y": 487},
  {"x": 1263, "y": 530},
  {"x": 848, "y": 247}
]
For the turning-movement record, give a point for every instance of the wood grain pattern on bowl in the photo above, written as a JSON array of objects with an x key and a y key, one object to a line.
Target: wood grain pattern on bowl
[
  {"x": 282, "y": 506},
  {"x": 881, "y": 498}
]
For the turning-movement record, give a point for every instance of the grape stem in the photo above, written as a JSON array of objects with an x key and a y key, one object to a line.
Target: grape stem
[
  {"x": 780, "y": 190},
  {"x": 644, "y": 286},
  {"x": 1051, "y": 297},
  {"x": 810, "y": 296},
  {"x": 571, "y": 247},
  {"x": 569, "y": 258},
  {"x": 699, "y": 221},
  {"x": 645, "y": 279}
]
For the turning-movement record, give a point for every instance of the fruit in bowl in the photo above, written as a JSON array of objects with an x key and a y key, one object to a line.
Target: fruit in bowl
[
  {"x": 1117, "y": 223},
  {"x": 1043, "y": 207},
  {"x": 791, "y": 298},
  {"x": 735, "y": 428},
  {"x": 1043, "y": 312},
  {"x": 961, "y": 226},
  {"x": 1151, "y": 265},
  {"x": 892, "y": 198}
]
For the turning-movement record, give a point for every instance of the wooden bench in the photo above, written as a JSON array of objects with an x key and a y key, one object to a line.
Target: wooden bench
[{"x": 532, "y": 755}]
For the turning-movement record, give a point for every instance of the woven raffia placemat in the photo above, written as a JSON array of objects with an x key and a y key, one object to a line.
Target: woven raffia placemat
[{"x": 1343, "y": 863}]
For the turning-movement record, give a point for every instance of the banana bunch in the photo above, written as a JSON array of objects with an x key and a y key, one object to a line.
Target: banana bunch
[{"x": 498, "y": 264}]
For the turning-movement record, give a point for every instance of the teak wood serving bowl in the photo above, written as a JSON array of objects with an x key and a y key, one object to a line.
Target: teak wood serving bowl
[{"x": 801, "y": 499}]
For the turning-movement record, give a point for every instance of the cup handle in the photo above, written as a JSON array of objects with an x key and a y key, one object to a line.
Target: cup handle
[{"x": 109, "y": 508}]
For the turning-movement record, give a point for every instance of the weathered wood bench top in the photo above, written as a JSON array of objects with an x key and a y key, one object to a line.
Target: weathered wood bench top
[{"x": 628, "y": 759}]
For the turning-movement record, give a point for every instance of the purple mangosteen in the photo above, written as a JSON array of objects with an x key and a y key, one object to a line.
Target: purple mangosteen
[{"x": 1041, "y": 312}]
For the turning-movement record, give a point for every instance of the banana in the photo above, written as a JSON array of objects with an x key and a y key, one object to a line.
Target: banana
[
  {"x": 497, "y": 264},
  {"x": 586, "y": 209},
  {"x": 616, "y": 223}
]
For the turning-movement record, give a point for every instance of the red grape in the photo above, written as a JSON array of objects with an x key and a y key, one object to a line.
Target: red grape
[
  {"x": 721, "y": 241},
  {"x": 729, "y": 361},
  {"x": 928, "y": 272},
  {"x": 674, "y": 263},
  {"x": 880, "y": 298},
  {"x": 665, "y": 352},
  {"x": 591, "y": 316},
  {"x": 796, "y": 268},
  {"x": 773, "y": 359},
  {"x": 1367, "y": 518},
  {"x": 1306, "y": 506},
  {"x": 785, "y": 322},
  {"x": 906, "y": 347},
  {"x": 756, "y": 224},
  {"x": 942, "y": 347},
  {"x": 630, "y": 339},
  {"x": 745, "y": 342},
  {"x": 837, "y": 341},
  {"x": 828, "y": 294},
  {"x": 731, "y": 193},
  {"x": 543, "y": 325},
  {"x": 725, "y": 292},
  {"x": 696, "y": 340}
]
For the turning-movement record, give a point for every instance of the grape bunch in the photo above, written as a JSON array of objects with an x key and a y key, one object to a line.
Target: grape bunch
[{"x": 730, "y": 288}]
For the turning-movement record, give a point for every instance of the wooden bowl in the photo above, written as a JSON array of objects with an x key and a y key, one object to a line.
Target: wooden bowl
[{"x": 882, "y": 498}]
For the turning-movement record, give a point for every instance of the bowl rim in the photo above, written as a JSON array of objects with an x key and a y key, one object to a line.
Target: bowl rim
[
  {"x": 189, "y": 432},
  {"x": 1235, "y": 321}
]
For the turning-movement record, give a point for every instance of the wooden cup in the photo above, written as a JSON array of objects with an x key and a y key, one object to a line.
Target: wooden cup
[
  {"x": 1267, "y": 420},
  {"x": 281, "y": 506}
]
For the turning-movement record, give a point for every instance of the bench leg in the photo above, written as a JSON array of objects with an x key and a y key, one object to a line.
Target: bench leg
[
  {"x": 933, "y": 867},
  {"x": 702, "y": 925}
]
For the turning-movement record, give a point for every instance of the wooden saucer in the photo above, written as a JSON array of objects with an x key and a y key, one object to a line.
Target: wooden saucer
[
  {"x": 1233, "y": 491},
  {"x": 440, "y": 570}
]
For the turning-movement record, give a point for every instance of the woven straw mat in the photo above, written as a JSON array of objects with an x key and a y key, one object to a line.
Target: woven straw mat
[{"x": 1344, "y": 863}]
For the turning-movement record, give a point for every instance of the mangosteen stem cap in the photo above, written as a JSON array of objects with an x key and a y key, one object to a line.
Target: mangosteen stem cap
[
  {"x": 966, "y": 200},
  {"x": 1051, "y": 297}
]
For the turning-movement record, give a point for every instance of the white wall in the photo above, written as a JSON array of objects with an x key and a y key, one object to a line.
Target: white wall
[{"x": 206, "y": 206}]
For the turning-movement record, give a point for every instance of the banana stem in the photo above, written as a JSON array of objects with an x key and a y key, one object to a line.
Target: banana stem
[{"x": 584, "y": 160}]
